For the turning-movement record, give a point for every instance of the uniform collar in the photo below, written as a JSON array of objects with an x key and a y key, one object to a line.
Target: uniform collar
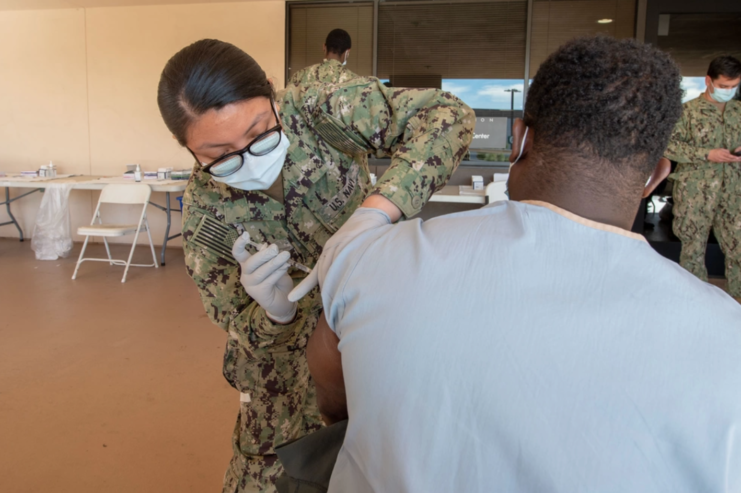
[
  {"x": 330, "y": 61},
  {"x": 701, "y": 101}
]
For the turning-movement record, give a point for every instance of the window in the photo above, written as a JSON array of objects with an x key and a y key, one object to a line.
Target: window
[
  {"x": 310, "y": 24},
  {"x": 487, "y": 94},
  {"x": 475, "y": 49},
  {"x": 452, "y": 40},
  {"x": 692, "y": 87}
]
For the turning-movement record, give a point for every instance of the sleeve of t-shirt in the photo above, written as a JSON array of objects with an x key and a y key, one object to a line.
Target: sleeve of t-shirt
[{"x": 341, "y": 273}]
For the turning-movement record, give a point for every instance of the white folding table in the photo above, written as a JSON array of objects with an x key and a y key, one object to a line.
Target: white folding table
[
  {"x": 82, "y": 182},
  {"x": 494, "y": 191},
  {"x": 452, "y": 194}
]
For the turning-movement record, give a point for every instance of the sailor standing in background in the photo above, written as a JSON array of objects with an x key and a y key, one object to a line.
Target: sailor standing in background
[
  {"x": 333, "y": 69},
  {"x": 707, "y": 182}
]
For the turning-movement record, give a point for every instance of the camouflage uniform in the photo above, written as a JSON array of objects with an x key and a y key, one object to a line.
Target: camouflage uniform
[
  {"x": 707, "y": 194},
  {"x": 327, "y": 72},
  {"x": 331, "y": 129}
]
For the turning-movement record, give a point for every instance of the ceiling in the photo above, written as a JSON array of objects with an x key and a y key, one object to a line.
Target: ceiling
[
  {"x": 77, "y": 4},
  {"x": 695, "y": 39}
]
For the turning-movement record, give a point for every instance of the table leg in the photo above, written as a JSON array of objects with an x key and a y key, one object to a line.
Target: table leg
[
  {"x": 12, "y": 217},
  {"x": 167, "y": 229},
  {"x": 168, "y": 211}
]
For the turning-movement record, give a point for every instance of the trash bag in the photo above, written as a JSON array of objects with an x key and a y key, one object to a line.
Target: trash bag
[{"x": 51, "y": 234}]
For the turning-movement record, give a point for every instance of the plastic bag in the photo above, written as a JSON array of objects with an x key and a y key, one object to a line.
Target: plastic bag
[{"x": 51, "y": 234}]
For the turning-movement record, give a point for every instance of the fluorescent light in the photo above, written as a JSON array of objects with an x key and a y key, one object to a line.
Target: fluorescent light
[{"x": 604, "y": 21}]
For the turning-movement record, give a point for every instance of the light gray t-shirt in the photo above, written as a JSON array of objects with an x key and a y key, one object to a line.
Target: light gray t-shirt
[{"x": 521, "y": 348}]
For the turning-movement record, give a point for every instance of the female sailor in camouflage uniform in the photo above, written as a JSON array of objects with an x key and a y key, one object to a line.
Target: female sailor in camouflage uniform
[{"x": 288, "y": 171}]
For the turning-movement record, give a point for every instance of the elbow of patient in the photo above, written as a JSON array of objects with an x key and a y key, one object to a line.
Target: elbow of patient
[{"x": 331, "y": 410}]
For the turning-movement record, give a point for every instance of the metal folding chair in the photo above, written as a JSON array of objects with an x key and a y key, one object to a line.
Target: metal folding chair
[{"x": 132, "y": 194}]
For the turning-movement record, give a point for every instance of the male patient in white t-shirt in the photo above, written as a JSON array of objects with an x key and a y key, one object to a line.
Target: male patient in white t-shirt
[{"x": 518, "y": 347}]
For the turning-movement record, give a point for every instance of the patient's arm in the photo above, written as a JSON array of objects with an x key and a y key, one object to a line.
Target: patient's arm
[{"x": 325, "y": 366}]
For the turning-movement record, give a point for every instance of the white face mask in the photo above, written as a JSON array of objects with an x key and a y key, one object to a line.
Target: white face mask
[
  {"x": 258, "y": 172},
  {"x": 723, "y": 95},
  {"x": 347, "y": 53}
]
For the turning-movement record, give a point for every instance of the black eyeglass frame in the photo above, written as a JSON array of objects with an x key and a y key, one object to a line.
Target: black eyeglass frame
[{"x": 207, "y": 167}]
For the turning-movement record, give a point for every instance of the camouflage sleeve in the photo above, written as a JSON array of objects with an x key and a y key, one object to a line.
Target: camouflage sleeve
[
  {"x": 682, "y": 148},
  {"x": 425, "y": 131},
  {"x": 226, "y": 302}
]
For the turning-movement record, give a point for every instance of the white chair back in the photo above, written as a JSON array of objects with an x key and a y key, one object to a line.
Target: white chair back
[
  {"x": 127, "y": 194},
  {"x": 496, "y": 191},
  {"x": 124, "y": 193}
]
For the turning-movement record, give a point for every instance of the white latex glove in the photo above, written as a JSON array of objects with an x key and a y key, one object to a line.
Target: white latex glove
[
  {"x": 265, "y": 278},
  {"x": 363, "y": 219}
]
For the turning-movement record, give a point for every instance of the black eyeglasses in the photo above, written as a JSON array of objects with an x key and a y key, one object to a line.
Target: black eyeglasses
[{"x": 261, "y": 145}]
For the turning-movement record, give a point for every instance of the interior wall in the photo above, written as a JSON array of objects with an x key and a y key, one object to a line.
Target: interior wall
[
  {"x": 86, "y": 94},
  {"x": 43, "y": 104}
]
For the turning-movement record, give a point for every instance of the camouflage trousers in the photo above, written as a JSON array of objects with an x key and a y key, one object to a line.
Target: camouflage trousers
[
  {"x": 709, "y": 197},
  {"x": 254, "y": 466},
  {"x": 277, "y": 403}
]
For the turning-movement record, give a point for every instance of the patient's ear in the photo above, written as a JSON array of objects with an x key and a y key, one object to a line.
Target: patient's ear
[
  {"x": 518, "y": 133},
  {"x": 661, "y": 171}
]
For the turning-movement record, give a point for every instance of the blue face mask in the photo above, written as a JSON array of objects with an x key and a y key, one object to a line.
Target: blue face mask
[{"x": 723, "y": 95}]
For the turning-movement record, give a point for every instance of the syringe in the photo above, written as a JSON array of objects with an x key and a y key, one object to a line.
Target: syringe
[{"x": 263, "y": 246}]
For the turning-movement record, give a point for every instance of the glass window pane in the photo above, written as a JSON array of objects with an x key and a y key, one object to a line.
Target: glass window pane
[
  {"x": 475, "y": 50},
  {"x": 692, "y": 87},
  {"x": 487, "y": 94}
]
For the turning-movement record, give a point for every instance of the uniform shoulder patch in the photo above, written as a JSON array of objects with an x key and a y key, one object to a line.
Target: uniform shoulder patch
[
  {"x": 336, "y": 133},
  {"x": 215, "y": 237}
]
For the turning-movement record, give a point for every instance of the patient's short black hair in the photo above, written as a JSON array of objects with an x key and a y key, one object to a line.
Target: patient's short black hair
[{"x": 603, "y": 100}]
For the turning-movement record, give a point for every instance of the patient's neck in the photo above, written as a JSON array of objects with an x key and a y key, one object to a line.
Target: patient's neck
[{"x": 598, "y": 202}]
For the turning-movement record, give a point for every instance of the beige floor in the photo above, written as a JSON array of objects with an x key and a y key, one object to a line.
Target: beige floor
[{"x": 108, "y": 387}]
